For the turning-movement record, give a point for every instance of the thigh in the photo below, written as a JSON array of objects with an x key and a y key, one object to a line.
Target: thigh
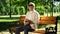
[
  {"x": 21, "y": 28},
  {"x": 28, "y": 28}
]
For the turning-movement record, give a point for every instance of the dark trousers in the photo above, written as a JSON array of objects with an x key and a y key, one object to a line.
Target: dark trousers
[{"x": 25, "y": 28}]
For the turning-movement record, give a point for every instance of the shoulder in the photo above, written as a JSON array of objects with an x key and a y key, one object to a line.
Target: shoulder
[{"x": 36, "y": 12}]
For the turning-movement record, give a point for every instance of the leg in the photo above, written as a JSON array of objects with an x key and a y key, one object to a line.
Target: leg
[
  {"x": 19, "y": 29},
  {"x": 27, "y": 29}
]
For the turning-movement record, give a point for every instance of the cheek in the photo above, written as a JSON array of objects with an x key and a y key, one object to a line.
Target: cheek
[{"x": 32, "y": 7}]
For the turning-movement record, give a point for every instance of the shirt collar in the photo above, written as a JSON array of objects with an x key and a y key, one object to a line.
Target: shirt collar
[{"x": 32, "y": 11}]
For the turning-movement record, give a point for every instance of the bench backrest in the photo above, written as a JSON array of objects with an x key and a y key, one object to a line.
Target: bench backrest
[{"x": 43, "y": 20}]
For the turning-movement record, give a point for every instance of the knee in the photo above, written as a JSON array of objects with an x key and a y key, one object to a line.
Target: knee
[
  {"x": 17, "y": 28},
  {"x": 26, "y": 28}
]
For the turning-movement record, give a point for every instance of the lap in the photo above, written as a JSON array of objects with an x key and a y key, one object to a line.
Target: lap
[
  {"x": 21, "y": 28},
  {"x": 25, "y": 27},
  {"x": 29, "y": 28}
]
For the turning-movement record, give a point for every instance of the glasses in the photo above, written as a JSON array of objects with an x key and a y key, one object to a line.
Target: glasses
[{"x": 30, "y": 5}]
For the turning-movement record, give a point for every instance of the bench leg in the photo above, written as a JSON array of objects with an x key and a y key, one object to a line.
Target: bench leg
[{"x": 10, "y": 31}]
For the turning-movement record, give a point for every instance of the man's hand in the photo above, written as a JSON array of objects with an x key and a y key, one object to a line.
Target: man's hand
[{"x": 28, "y": 21}]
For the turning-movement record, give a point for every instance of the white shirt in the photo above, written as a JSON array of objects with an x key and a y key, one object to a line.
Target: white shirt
[{"x": 34, "y": 17}]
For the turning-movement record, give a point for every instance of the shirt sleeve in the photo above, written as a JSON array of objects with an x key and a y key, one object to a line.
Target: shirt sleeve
[{"x": 36, "y": 20}]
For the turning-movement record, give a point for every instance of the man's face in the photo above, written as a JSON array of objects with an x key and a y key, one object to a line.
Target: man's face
[{"x": 31, "y": 7}]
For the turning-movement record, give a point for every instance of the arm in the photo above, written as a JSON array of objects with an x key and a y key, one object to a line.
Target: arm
[{"x": 36, "y": 20}]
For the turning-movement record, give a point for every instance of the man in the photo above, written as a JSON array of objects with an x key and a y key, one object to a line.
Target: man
[{"x": 31, "y": 20}]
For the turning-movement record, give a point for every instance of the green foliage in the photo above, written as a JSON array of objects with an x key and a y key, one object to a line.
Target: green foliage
[{"x": 19, "y": 7}]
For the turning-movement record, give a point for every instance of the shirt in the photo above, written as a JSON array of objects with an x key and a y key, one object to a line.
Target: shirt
[{"x": 34, "y": 17}]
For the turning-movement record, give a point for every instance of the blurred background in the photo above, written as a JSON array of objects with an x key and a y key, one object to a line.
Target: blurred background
[
  {"x": 19, "y": 7},
  {"x": 11, "y": 10}
]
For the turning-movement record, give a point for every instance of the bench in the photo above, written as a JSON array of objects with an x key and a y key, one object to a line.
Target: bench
[{"x": 43, "y": 20}]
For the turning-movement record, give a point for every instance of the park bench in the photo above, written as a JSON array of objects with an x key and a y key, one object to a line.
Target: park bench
[{"x": 43, "y": 20}]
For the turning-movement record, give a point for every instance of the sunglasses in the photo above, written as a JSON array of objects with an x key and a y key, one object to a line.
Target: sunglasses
[{"x": 30, "y": 5}]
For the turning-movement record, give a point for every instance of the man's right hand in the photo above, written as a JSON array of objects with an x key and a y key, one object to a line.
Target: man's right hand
[{"x": 28, "y": 21}]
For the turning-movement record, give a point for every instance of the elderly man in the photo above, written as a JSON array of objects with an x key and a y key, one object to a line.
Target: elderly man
[{"x": 31, "y": 20}]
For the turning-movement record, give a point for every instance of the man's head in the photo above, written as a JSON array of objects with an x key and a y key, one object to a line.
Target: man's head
[{"x": 31, "y": 6}]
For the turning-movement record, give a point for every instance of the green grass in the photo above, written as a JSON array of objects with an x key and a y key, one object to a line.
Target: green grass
[{"x": 9, "y": 18}]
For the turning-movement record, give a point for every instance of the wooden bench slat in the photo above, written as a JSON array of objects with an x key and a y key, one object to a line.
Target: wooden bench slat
[
  {"x": 47, "y": 22},
  {"x": 47, "y": 18},
  {"x": 39, "y": 31}
]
